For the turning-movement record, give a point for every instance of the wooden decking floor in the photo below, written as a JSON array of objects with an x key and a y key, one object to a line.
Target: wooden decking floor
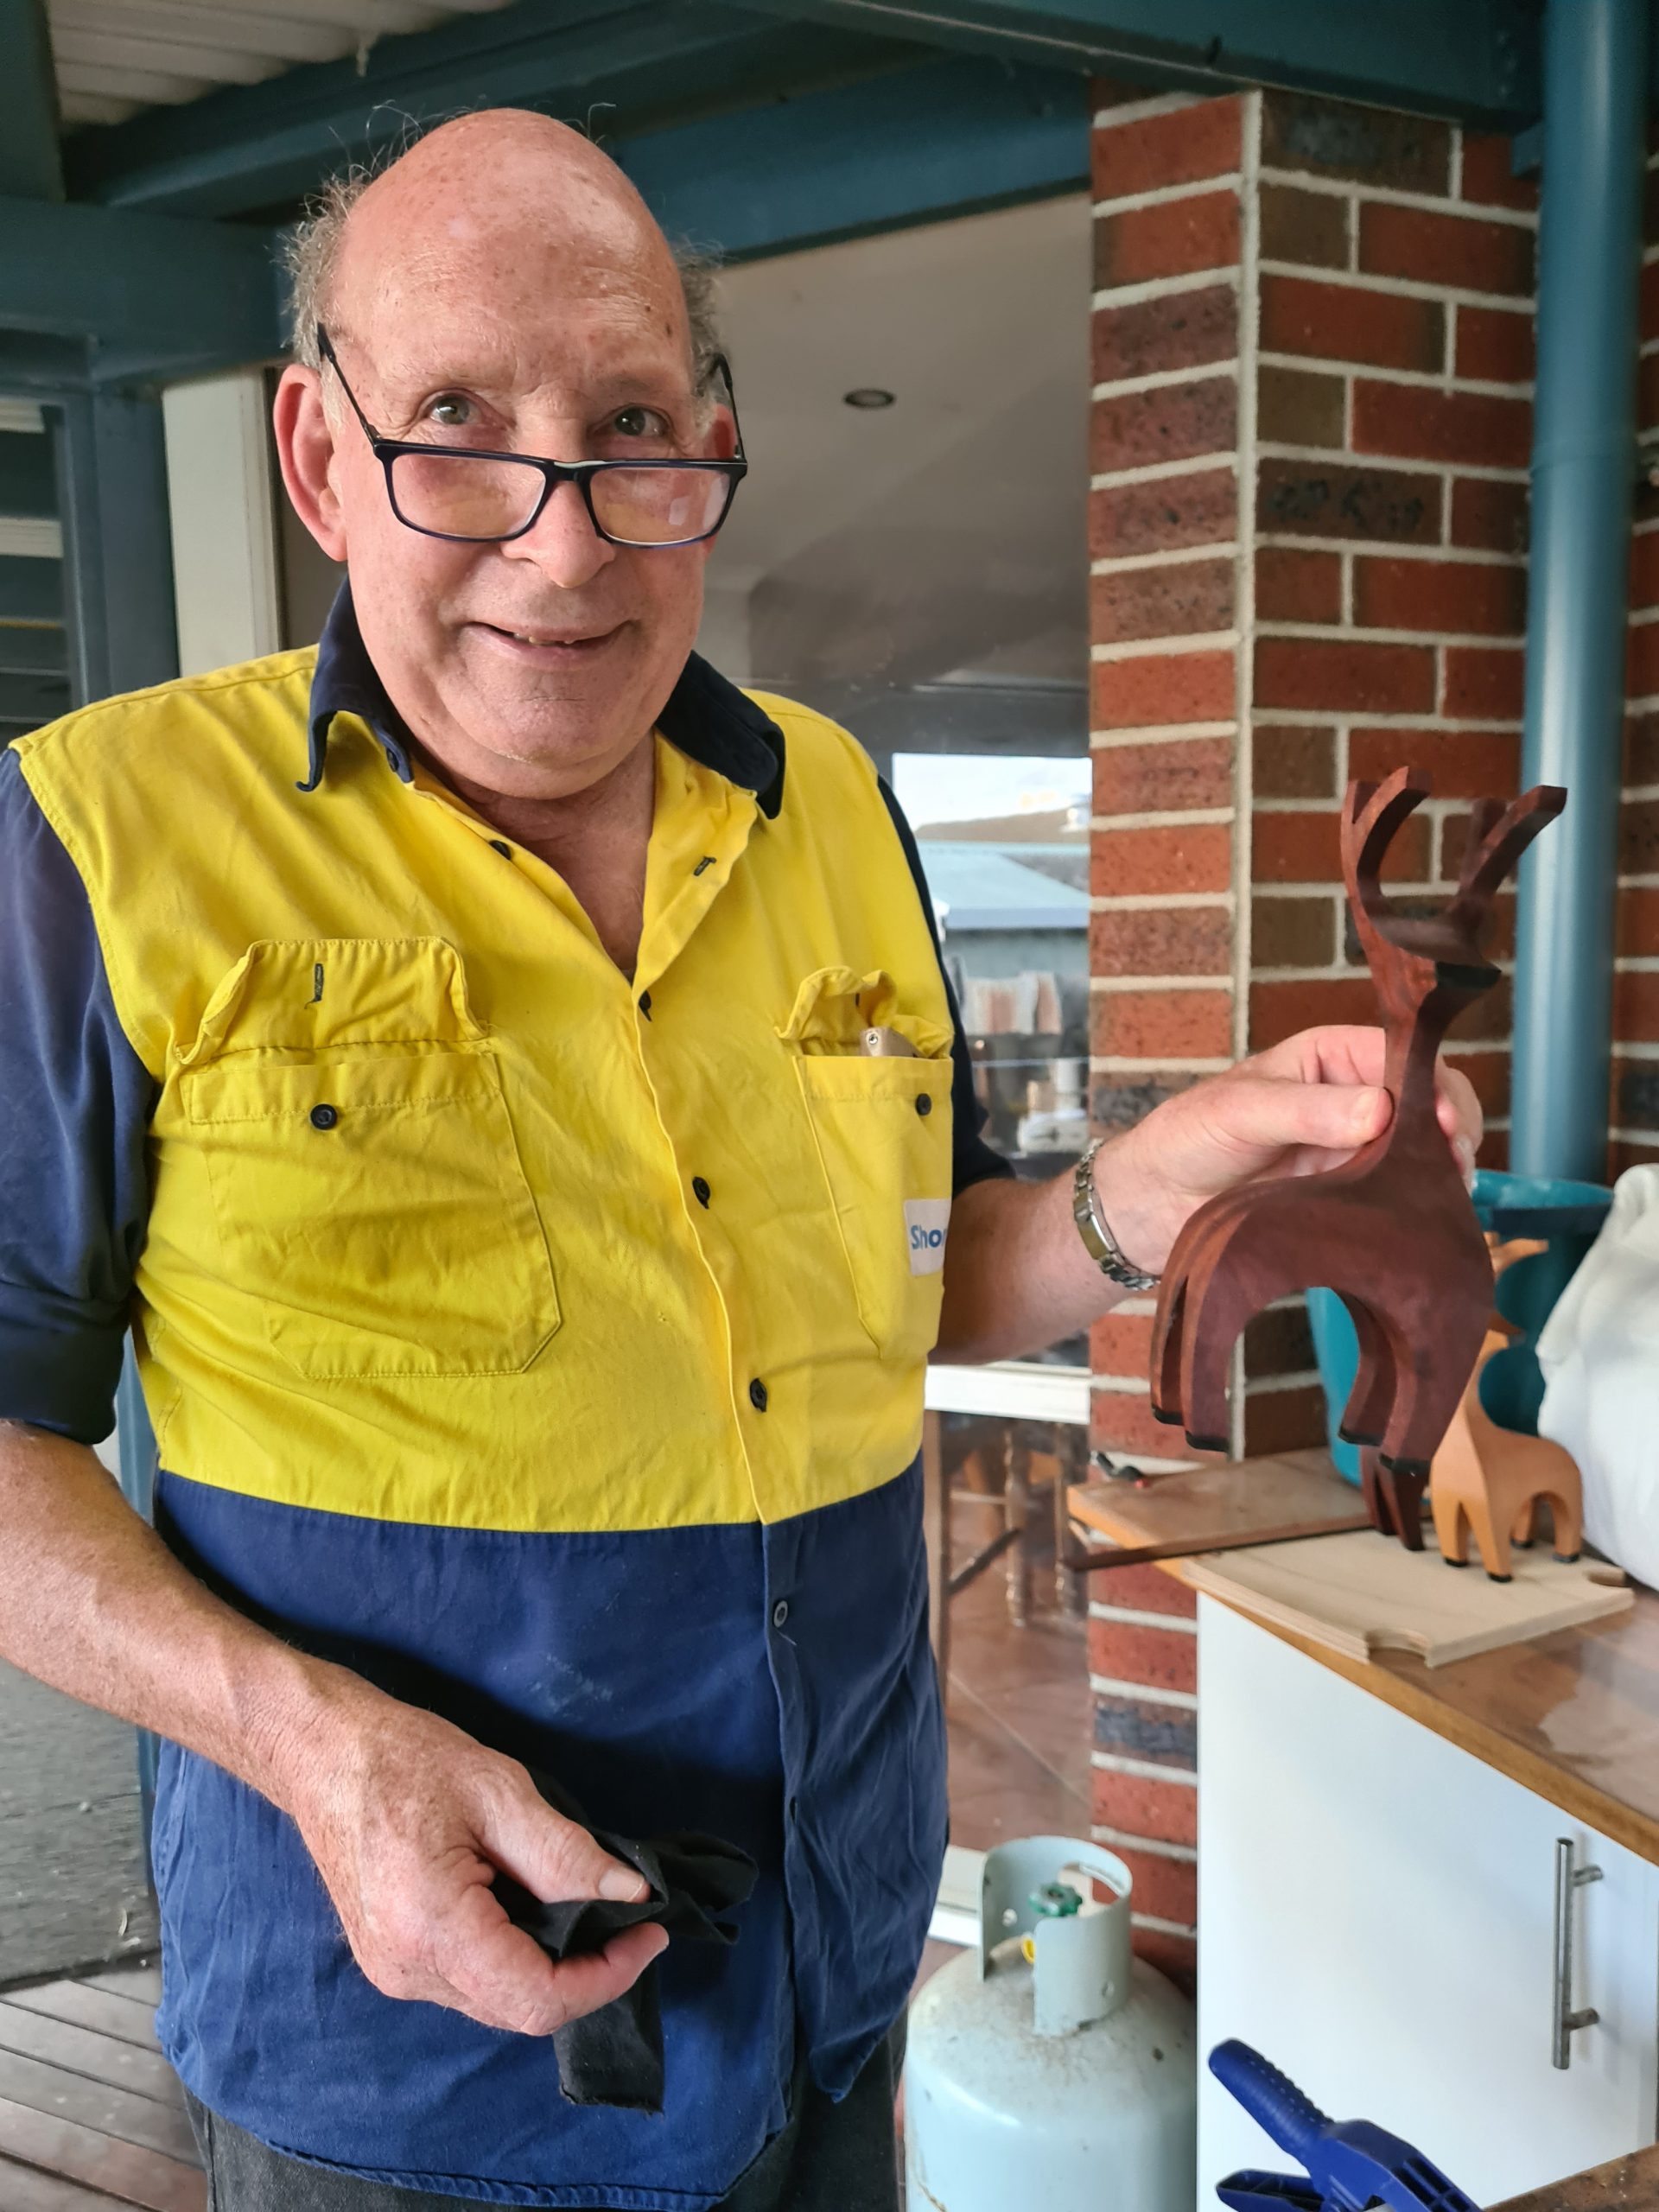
[{"x": 91, "y": 2115}]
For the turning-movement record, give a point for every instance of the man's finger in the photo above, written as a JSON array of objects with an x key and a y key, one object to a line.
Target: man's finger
[
  {"x": 554, "y": 1858},
  {"x": 1268, "y": 1115}
]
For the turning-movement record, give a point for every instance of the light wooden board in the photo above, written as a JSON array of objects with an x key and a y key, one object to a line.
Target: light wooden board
[
  {"x": 1365, "y": 1592},
  {"x": 1243, "y": 1502}
]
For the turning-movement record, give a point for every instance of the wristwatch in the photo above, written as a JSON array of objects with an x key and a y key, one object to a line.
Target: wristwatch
[{"x": 1102, "y": 1246}]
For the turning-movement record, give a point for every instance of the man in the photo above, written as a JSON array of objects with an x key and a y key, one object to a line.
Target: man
[{"x": 445, "y": 1050}]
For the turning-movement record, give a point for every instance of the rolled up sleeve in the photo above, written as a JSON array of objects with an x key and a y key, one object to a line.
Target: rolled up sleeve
[{"x": 75, "y": 1102}]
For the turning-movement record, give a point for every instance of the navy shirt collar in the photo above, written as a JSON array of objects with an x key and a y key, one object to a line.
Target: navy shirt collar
[{"x": 706, "y": 718}]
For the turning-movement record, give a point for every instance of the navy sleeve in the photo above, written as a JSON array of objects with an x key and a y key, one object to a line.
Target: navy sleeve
[
  {"x": 75, "y": 1102},
  {"x": 972, "y": 1160}
]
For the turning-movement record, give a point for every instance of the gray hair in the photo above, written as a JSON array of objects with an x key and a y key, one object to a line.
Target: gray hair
[{"x": 310, "y": 254}]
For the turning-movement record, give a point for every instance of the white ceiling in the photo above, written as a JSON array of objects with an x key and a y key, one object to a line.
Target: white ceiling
[
  {"x": 944, "y": 535},
  {"x": 115, "y": 56}
]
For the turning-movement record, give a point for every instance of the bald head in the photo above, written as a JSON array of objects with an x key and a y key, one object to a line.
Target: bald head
[{"x": 503, "y": 182}]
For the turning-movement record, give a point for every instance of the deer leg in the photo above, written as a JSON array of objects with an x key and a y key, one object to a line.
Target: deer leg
[
  {"x": 1367, "y": 1409},
  {"x": 1524, "y": 1532},
  {"x": 1382, "y": 1500},
  {"x": 1450, "y": 1528},
  {"x": 1217, "y": 1311},
  {"x": 1568, "y": 1512},
  {"x": 1491, "y": 1537},
  {"x": 1431, "y": 1385},
  {"x": 1400, "y": 1473},
  {"x": 1168, "y": 1331}
]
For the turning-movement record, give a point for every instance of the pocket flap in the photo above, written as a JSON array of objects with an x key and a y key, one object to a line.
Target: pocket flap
[
  {"x": 835, "y": 1006},
  {"x": 296, "y": 995}
]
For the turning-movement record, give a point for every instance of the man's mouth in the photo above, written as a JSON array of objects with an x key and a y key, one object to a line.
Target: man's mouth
[
  {"x": 551, "y": 638},
  {"x": 552, "y": 645}
]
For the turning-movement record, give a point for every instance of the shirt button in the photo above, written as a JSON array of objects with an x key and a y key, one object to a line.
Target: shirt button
[
  {"x": 780, "y": 1613},
  {"x": 758, "y": 1394},
  {"x": 324, "y": 1117},
  {"x": 924, "y": 1105},
  {"x": 700, "y": 1190},
  {"x": 496, "y": 846}
]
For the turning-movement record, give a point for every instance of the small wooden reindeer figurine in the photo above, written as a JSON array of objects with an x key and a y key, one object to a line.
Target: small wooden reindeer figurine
[
  {"x": 1392, "y": 1231},
  {"x": 1491, "y": 1479}
]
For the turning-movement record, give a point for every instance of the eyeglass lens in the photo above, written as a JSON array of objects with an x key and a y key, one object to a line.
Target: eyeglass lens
[{"x": 464, "y": 495}]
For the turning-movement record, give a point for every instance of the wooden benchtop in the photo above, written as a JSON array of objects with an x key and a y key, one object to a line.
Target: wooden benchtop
[
  {"x": 1627, "y": 2185},
  {"x": 1573, "y": 1717}
]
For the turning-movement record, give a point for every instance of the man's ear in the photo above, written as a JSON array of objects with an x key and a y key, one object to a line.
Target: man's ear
[{"x": 305, "y": 446}]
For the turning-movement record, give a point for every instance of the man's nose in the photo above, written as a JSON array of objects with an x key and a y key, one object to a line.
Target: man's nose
[{"x": 562, "y": 541}]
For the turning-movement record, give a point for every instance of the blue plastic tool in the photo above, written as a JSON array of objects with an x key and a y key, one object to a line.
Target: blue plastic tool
[{"x": 1350, "y": 2164}]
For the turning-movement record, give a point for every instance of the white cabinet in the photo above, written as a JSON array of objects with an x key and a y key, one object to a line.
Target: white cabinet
[{"x": 1376, "y": 1915}]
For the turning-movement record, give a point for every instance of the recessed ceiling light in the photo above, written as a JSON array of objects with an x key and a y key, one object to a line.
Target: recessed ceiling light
[{"x": 867, "y": 395}]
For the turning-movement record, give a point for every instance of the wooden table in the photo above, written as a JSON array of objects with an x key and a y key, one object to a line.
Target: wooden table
[
  {"x": 1573, "y": 1717},
  {"x": 1623, "y": 2185}
]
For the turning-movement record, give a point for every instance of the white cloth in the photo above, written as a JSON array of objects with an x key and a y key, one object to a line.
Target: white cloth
[{"x": 1600, "y": 1354}]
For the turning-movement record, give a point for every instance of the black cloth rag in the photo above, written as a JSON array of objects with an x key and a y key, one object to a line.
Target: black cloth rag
[{"x": 614, "y": 2057}]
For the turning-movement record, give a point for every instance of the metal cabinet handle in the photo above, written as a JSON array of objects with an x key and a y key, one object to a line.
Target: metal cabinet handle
[{"x": 1565, "y": 2022}]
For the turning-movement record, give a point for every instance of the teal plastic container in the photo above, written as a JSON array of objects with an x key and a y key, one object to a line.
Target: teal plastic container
[{"x": 1568, "y": 1214}]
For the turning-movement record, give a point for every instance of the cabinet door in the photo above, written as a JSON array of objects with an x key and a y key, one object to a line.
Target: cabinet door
[{"x": 1376, "y": 1915}]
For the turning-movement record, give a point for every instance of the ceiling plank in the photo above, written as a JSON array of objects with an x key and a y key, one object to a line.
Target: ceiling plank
[
  {"x": 30, "y": 167},
  {"x": 1477, "y": 61}
]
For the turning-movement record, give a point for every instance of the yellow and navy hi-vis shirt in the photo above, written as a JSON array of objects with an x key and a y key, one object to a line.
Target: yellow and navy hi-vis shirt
[{"x": 545, "y": 1343}]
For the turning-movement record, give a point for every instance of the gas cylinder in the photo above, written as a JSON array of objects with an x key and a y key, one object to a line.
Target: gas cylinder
[{"x": 1048, "y": 2069}]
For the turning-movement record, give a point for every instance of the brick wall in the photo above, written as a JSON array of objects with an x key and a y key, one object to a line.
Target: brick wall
[{"x": 1312, "y": 348}]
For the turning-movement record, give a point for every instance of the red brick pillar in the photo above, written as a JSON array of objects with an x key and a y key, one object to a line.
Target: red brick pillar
[{"x": 1312, "y": 354}]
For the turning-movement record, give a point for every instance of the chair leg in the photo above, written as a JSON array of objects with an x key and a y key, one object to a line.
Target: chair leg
[
  {"x": 1070, "y": 1597},
  {"x": 935, "y": 1519},
  {"x": 1016, "y": 1506}
]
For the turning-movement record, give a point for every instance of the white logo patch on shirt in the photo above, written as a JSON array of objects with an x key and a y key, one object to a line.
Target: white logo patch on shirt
[{"x": 925, "y": 1222}]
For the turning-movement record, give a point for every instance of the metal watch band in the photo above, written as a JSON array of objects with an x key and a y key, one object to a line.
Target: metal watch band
[{"x": 1099, "y": 1243}]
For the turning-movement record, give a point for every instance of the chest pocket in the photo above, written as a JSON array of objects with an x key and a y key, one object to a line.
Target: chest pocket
[
  {"x": 366, "y": 1183},
  {"x": 881, "y": 1125}
]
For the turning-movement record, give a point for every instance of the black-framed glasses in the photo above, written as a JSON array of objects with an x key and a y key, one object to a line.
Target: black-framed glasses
[{"x": 476, "y": 498}]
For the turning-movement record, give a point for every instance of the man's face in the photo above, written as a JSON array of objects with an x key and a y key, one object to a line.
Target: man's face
[{"x": 534, "y": 666}]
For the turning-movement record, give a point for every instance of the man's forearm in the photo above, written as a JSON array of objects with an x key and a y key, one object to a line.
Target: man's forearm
[
  {"x": 93, "y": 1602},
  {"x": 1017, "y": 1275}
]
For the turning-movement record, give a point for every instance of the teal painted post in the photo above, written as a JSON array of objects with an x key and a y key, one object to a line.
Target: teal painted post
[
  {"x": 31, "y": 166},
  {"x": 119, "y": 613},
  {"x": 1583, "y": 479}
]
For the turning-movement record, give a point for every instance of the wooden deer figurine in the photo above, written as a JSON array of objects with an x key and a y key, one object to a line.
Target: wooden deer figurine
[
  {"x": 1493, "y": 1479},
  {"x": 1391, "y": 1230}
]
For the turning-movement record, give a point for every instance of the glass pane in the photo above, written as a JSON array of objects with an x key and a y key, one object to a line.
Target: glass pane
[
  {"x": 1005, "y": 848},
  {"x": 1004, "y": 841},
  {"x": 658, "y": 506},
  {"x": 463, "y": 495}
]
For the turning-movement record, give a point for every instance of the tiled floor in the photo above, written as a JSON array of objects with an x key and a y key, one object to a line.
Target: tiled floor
[{"x": 1017, "y": 1706}]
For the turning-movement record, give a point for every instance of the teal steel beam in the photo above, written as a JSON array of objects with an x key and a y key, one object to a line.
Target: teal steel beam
[
  {"x": 1583, "y": 480},
  {"x": 30, "y": 166},
  {"x": 1475, "y": 61},
  {"x": 627, "y": 68},
  {"x": 608, "y": 65},
  {"x": 954, "y": 135},
  {"x": 151, "y": 294}
]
